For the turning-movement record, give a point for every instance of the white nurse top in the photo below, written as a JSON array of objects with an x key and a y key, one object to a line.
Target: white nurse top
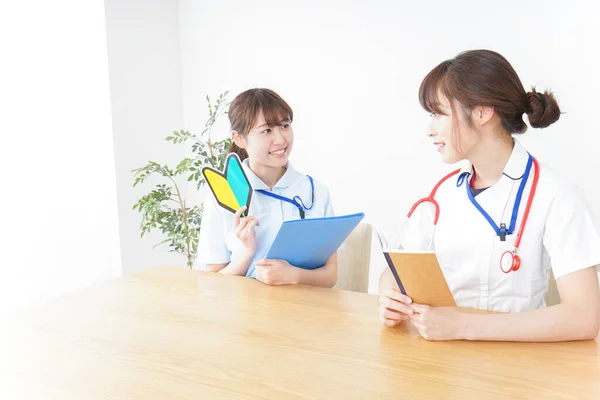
[
  {"x": 217, "y": 242},
  {"x": 559, "y": 234}
]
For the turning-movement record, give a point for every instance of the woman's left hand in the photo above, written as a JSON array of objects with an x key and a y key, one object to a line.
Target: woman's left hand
[
  {"x": 437, "y": 323},
  {"x": 277, "y": 272}
]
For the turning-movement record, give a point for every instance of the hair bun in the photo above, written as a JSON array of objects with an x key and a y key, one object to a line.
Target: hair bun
[{"x": 543, "y": 109}]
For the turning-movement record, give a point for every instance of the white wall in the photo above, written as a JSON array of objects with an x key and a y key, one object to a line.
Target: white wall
[
  {"x": 145, "y": 84},
  {"x": 351, "y": 72},
  {"x": 58, "y": 192}
]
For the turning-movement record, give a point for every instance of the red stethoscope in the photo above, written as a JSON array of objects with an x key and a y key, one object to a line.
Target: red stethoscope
[{"x": 509, "y": 261}]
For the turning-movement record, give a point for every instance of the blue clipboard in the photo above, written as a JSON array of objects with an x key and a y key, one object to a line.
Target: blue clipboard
[{"x": 309, "y": 243}]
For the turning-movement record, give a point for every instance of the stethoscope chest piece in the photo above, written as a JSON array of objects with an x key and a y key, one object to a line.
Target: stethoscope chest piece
[{"x": 509, "y": 261}]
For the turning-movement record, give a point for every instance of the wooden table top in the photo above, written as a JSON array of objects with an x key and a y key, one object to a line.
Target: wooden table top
[{"x": 172, "y": 333}]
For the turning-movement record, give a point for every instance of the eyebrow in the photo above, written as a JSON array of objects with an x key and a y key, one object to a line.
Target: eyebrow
[{"x": 283, "y": 121}]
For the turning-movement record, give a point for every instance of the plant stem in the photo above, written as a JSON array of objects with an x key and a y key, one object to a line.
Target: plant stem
[
  {"x": 210, "y": 146},
  {"x": 213, "y": 118},
  {"x": 208, "y": 141},
  {"x": 185, "y": 224}
]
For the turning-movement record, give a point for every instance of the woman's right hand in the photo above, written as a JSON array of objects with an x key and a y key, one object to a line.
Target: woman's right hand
[
  {"x": 244, "y": 230},
  {"x": 394, "y": 307}
]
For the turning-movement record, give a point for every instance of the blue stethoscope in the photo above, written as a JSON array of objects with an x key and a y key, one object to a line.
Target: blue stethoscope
[{"x": 296, "y": 200}]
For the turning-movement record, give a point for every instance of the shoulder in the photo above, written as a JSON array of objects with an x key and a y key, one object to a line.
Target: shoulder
[
  {"x": 319, "y": 185},
  {"x": 448, "y": 182},
  {"x": 301, "y": 181},
  {"x": 322, "y": 194},
  {"x": 555, "y": 189},
  {"x": 210, "y": 208},
  {"x": 308, "y": 184}
]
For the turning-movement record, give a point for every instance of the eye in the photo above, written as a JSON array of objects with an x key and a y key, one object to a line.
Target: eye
[
  {"x": 285, "y": 126},
  {"x": 268, "y": 130},
  {"x": 432, "y": 114}
]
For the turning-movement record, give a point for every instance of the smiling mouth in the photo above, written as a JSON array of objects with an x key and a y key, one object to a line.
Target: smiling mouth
[{"x": 279, "y": 152}]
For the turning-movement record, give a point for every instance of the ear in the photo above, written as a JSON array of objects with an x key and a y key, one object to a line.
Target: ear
[
  {"x": 239, "y": 139},
  {"x": 482, "y": 114}
]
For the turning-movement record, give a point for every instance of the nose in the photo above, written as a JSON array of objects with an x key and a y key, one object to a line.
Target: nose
[
  {"x": 430, "y": 130},
  {"x": 277, "y": 136}
]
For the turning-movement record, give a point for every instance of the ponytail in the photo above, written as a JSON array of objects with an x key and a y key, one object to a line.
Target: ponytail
[{"x": 242, "y": 153}]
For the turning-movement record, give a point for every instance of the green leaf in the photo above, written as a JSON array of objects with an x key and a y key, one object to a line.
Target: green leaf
[{"x": 160, "y": 208}]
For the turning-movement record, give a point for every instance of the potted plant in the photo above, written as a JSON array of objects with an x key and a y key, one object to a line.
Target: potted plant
[{"x": 164, "y": 208}]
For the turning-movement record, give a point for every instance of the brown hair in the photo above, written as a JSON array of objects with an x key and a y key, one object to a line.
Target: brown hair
[
  {"x": 485, "y": 78},
  {"x": 244, "y": 110}
]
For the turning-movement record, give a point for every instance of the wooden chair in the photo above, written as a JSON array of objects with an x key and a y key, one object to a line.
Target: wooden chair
[
  {"x": 552, "y": 296},
  {"x": 354, "y": 260}
]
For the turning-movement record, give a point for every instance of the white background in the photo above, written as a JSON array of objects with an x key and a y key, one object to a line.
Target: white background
[{"x": 58, "y": 196}]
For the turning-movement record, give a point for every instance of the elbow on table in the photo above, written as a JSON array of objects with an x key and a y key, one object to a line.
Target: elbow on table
[
  {"x": 590, "y": 326},
  {"x": 594, "y": 328}
]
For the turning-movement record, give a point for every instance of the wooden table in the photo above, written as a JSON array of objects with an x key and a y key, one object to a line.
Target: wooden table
[{"x": 170, "y": 333}]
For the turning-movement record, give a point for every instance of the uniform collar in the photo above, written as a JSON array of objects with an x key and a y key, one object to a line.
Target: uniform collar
[
  {"x": 514, "y": 168},
  {"x": 289, "y": 177}
]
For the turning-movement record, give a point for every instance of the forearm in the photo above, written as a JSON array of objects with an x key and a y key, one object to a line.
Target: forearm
[
  {"x": 239, "y": 266},
  {"x": 562, "y": 322},
  {"x": 214, "y": 267},
  {"x": 326, "y": 276}
]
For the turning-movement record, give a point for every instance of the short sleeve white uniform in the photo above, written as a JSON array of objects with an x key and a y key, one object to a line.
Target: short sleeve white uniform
[
  {"x": 217, "y": 242},
  {"x": 559, "y": 234}
]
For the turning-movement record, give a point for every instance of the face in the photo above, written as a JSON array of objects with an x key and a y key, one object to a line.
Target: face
[
  {"x": 269, "y": 146},
  {"x": 453, "y": 146}
]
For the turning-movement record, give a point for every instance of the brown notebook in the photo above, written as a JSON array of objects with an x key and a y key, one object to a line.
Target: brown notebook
[{"x": 420, "y": 277}]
